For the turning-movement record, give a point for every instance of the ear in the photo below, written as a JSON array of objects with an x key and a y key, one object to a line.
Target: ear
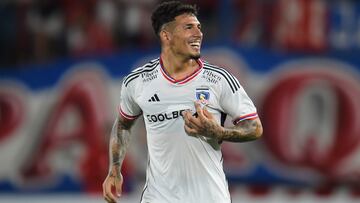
[{"x": 164, "y": 35}]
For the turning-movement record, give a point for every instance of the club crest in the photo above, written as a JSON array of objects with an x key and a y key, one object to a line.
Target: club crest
[{"x": 203, "y": 95}]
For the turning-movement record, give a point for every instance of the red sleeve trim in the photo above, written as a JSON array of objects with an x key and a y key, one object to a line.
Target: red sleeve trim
[
  {"x": 125, "y": 115},
  {"x": 250, "y": 116}
]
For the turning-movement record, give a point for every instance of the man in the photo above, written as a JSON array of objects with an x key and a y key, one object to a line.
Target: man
[{"x": 183, "y": 101}]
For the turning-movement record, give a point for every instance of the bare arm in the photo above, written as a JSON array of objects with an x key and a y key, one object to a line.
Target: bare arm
[
  {"x": 244, "y": 131},
  {"x": 206, "y": 125},
  {"x": 119, "y": 142}
]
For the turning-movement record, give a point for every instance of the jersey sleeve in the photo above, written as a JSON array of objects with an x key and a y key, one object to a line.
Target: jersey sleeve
[
  {"x": 235, "y": 102},
  {"x": 128, "y": 108}
]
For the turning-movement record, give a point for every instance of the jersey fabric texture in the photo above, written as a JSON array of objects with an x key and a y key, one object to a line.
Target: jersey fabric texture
[{"x": 182, "y": 168}]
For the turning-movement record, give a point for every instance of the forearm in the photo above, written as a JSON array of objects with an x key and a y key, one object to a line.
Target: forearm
[
  {"x": 119, "y": 142},
  {"x": 206, "y": 125},
  {"x": 246, "y": 130}
]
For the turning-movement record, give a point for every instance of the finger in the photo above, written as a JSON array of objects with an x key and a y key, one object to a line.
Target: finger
[
  {"x": 185, "y": 113},
  {"x": 188, "y": 123},
  {"x": 109, "y": 200},
  {"x": 199, "y": 110},
  {"x": 118, "y": 186},
  {"x": 107, "y": 191},
  {"x": 190, "y": 131},
  {"x": 207, "y": 114},
  {"x": 194, "y": 122},
  {"x": 188, "y": 117},
  {"x": 104, "y": 187}
]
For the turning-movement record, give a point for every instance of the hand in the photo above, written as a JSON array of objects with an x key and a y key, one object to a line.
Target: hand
[
  {"x": 204, "y": 124},
  {"x": 111, "y": 181}
]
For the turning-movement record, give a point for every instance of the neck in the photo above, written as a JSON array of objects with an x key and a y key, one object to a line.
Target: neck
[{"x": 178, "y": 67}]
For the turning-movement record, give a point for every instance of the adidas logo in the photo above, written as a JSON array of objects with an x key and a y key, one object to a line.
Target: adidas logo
[{"x": 154, "y": 98}]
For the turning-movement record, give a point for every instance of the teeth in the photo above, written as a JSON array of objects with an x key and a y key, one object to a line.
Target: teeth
[{"x": 195, "y": 44}]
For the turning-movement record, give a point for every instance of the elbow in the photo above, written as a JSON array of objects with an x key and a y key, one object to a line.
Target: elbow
[{"x": 258, "y": 132}]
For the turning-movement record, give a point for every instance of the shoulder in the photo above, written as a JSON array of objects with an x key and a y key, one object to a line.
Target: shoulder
[
  {"x": 227, "y": 77},
  {"x": 147, "y": 67},
  {"x": 217, "y": 70}
]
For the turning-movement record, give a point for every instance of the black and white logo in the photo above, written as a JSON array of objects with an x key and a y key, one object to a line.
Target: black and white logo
[{"x": 154, "y": 98}]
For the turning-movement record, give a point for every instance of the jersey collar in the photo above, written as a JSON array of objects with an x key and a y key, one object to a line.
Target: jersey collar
[{"x": 183, "y": 80}]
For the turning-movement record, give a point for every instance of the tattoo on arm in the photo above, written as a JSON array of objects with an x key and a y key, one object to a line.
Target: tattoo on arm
[
  {"x": 119, "y": 141},
  {"x": 244, "y": 131}
]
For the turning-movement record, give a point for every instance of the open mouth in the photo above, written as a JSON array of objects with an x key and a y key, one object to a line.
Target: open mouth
[{"x": 195, "y": 45}]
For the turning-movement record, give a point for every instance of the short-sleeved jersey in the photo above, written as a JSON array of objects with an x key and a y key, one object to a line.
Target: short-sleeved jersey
[{"x": 183, "y": 168}]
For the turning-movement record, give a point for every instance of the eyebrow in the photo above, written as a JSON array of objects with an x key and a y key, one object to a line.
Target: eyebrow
[{"x": 192, "y": 24}]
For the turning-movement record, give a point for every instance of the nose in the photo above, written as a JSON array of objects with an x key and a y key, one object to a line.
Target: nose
[{"x": 198, "y": 32}]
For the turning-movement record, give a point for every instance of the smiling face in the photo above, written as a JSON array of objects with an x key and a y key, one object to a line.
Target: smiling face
[{"x": 183, "y": 36}]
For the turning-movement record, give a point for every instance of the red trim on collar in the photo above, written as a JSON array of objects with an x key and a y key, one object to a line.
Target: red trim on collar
[{"x": 184, "y": 80}]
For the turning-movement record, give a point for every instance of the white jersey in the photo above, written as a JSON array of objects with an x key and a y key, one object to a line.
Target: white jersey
[{"x": 183, "y": 168}]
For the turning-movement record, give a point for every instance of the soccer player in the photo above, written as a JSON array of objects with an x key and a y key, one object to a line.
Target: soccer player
[{"x": 183, "y": 101}]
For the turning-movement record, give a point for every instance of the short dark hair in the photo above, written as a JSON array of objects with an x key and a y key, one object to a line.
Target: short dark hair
[{"x": 167, "y": 11}]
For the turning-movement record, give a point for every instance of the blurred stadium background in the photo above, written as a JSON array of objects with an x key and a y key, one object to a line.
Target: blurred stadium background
[{"x": 61, "y": 66}]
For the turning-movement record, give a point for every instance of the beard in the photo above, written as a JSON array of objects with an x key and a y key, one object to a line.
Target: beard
[{"x": 195, "y": 56}]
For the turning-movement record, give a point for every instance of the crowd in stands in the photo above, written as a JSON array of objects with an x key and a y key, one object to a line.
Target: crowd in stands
[{"x": 40, "y": 31}]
